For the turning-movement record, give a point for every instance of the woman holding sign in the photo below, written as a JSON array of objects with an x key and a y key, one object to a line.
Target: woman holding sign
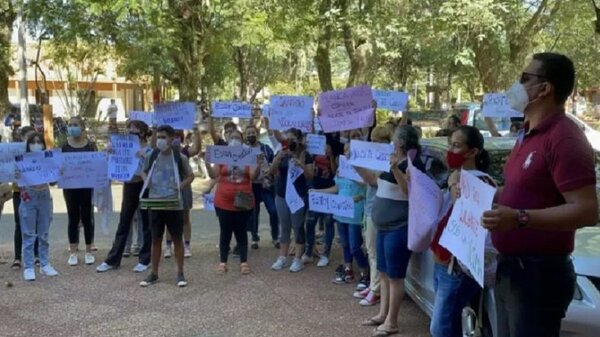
[{"x": 79, "y": 200}]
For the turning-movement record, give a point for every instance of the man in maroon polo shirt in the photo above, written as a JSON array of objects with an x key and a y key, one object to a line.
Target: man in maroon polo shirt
[{"x": 549, "y": 192}]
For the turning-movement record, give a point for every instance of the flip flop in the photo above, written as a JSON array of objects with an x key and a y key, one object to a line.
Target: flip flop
[
  {"x": 371, "y": 322},
  {"x": 383, "y": 333}
]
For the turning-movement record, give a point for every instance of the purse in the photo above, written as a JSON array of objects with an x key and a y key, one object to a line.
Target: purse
[{"x": 243, "y": 201}]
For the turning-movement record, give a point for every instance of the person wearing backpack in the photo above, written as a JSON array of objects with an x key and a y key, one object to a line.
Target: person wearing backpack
[{"x": 454, "y": 287}]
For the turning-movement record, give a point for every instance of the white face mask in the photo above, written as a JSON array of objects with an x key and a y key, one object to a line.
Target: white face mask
[
  {"x": 36, "y": 147},
  {"x": 235, "y": 142},
  {"x": 517, "y": 96},
  {"x": 161, "y": 144}
]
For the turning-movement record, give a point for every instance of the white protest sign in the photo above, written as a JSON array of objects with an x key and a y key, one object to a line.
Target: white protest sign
[
  {"x": 8, "y": 152},
  {"x": 209, "y": 202},
  {"x": 346, "y": 109},
  {"x": 374, "y": 156},
  {"x": 146, "y": 117},
  {"x": 292, "y": 198},
  {"x": 291, "y": 112},
  {"x": 346, "y": 170},
  {"x": 315, "y": 144},
  {"x": 424, "y": 206},
  {"x": 232, "y": 155},
  {"x": 38, "y": 168},
  {"x": 331, "y": 204},
  {"x": 464, "y": 237},
  {"x": 84, "y": 170},
  {"x": 179, "y": 115},
  {"x": 497, "y": 106},
  {"x": 231, "y": 109},
  {"x": 123, "y": 162},
  {"x": 390, "y": 100}
]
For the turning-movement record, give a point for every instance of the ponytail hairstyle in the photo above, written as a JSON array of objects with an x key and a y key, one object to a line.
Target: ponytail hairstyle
[{"x": 474, "y": 140}]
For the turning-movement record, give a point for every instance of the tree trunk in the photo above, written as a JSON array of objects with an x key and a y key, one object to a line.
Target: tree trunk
[
  {"x": 240, "y": 62},
  {"x": 322, "y": 56},
  {"x": 7, "y": 18}
]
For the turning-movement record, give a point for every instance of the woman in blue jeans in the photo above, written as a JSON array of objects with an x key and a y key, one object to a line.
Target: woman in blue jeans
[{"x": 35, "y": 212}]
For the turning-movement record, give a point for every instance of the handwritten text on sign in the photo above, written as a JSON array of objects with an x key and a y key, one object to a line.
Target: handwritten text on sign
[
  {"x": 209, "y": 202},
  {"x": 231, "y": 109},
  {"x": 497, "y": 106},
  {"x": 179, "y": 115},
  {"x": 146, "y": 117},
  {"x": 374, "y": 156},
  {"x": 331, "y": 204},
  {"x": 292, "y": 198},
  {"x": 232, "y": 155},
  {"x": 84, "y": 170},
  {"x": 315, "y": 144},
  {"x": 464, "y": 237},
  {"x": 291, "y": 112},
  {"x": 122, "y": 160},
  {"x": 346, "y": 170},
  {"x": 8, "y": 152},
  {"x": 38, "y": 168},
  {"x": 391, "y": 100},
  {"x": 346, "y": 109}
]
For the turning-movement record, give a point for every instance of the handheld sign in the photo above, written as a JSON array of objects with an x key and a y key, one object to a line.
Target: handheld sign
[
  {"x": 292, "y": 198},
  {"x": 231, "y": 109},
  {"x": 291, "y": 112},
  {"x": 146, "y": 117},
  {"x": 84, "y": 170},
  {"x": 38, "y": 168},
  {"x": 497, "y": 106},
  {"x": 209, "y": 202},
  {"x": 331, "y": 204},
  {"x": 374, "y": 156},
  {"x": 123, "y": 161},
  {"x": 390, "y": 100},
  {"x": 315, "y": 144},
  {"x": 8, "y": 152},
  {"x": 232, "y": 155},
  {"x": 346, "y": 109},
  {"x": 346, "y": 170},
  {"x": 179, "y": 115},
  {"x": 463, "y": 236}
]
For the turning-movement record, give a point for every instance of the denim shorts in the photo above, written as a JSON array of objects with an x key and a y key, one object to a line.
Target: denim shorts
[{"x": 393, "y": 254}]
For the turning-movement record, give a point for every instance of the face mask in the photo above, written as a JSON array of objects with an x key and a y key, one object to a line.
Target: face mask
[
  {"x": 74, "y": 131},
  {"x": 517, "y": 96},
  {"x": 161, "y": 144},
  {"x": 36, "y": 147},
  {"x": 251, "y": 140},
  {"x": 293, "y": 146},
  {"x": 455, "y": 160},
  {"x": 235, "y": 142}
]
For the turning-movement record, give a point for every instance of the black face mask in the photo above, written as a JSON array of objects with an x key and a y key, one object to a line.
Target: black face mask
[
  {"x": 293, "y": 146},
  {"x": 251, "y": 140}
]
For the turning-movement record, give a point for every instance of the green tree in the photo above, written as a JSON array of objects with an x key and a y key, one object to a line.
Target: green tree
[{"x": 7, "y": 18}]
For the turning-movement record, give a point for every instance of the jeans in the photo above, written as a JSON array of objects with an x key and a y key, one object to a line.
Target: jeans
[
  {"x": 18, "y": 238},
  {"x": 351, "y": 240},
  {"x": 268, "y": 198},
  {"x": 452, "y": 293},
  {"x": 233, "y": 223},
  {"x": 36, "y": 215},
  {"x": 393, "y": 254},
  {"x": 370, "y": 235},
  {"x": 311, "y": 222},
  {"x": 533, "y": 294},
  {"x": 79, "y": 209}
]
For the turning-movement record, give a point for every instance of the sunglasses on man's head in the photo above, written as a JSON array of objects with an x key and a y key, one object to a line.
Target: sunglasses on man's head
[{"x": 525, "y": 76}]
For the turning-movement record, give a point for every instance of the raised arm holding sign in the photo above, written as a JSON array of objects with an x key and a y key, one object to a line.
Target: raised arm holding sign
[
  {"x": 291, "y": 112},
  {"x": 231, "y": 110},
  {"x": 374, "y": 156},
  {"x": 497, "y": 106},
  {"x": 346, "y": 109},
  {"x": 146, "y": 117},
  {"x": 390, "y": 100},
  {"x": 179, "y": 115}
]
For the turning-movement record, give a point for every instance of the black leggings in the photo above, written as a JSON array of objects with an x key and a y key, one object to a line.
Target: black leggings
[
  {"x": 233, "y": 222},
  {"x": 79, "y": 209}
]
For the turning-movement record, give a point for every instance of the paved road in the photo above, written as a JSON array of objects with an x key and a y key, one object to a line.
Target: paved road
[{"x": 81, "y": 302}]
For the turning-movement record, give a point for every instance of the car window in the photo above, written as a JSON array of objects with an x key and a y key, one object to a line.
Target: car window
[
  {"x": 502, "y": 124},
  {"x": 435, "y": 167}
]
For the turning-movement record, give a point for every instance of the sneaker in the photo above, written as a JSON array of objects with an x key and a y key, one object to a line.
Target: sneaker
[
  {"x": 29, "y": 274},
  {"x": 340, "y": 275},
  {"x": 37, "y": 261},
  {"x": 236, "y": 251},
  {"x": 127, "y": 253},
  {"x": 370, "y": 300},
  {"x": 48, "y": 270},
  {"x": 296, "y": 266},
  {"x": 149, "y": 280},
  {"x": 89, "y": 259},
  {"x": 104, "y": 267},
  {"x": 349, "y": 275},
  {"x": 276, "y": 244},
  {"x": 280, "y": 263},
  {"x": 254, "y": 245},
  {"x": 307, "y": 259},
  {"x": 140, "y": 268},
  {"x": 181, "y": 282},
  {"x": 361, "y": 294},
  {"x": 168, "y": 252},
  {"x": 323, "y": 261},
  {"x": 365, "y": 281},
  {"x": 135, "y": 251},
  {"x": 187, "y": 251},
  {"x": 73, "y": 260}
]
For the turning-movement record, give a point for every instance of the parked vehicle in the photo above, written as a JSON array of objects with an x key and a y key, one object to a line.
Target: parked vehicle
[{"x": 582, "y": 318}]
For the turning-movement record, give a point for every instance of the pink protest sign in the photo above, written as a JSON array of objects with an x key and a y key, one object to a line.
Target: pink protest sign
[{"x": 346, "y": 109}]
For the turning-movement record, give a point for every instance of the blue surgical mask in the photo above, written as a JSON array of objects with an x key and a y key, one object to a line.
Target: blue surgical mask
[{"x": 74, "y": 131}]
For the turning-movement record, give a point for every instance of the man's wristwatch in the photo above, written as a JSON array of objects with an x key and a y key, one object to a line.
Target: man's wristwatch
[{"x": 522, "y": 218}]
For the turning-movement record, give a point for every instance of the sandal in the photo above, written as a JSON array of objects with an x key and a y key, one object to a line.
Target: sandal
[
  {"x": 371, "y": 322},
  {"x": 16, "y": 265},
  {"x": 244, "y": 268},
  {"x": 383, "y": 333},
  {"x": 221, "y": 268}
]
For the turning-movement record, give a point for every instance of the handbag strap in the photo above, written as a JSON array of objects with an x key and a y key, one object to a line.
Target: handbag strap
[{"x": 151, "y": 172}]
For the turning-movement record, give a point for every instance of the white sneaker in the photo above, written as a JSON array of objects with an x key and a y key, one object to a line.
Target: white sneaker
[
  {"x": 323, "y": 261},
  {"x": 168, "y": 252},
  {"x": 296, "y": 266},
  {"x": 140, "y": 268},
  {"x": 187, "y": 251},
  {"x": 89, "y": 258},
  {"x": 307, "y": 259},
  {"x": 104, "y": 267},
  {"x": 73, "y": 260},
  {"x": 280, "y": 263},
  {"x": 29, "y": 274},
  {"x": 48, "y": 270}
]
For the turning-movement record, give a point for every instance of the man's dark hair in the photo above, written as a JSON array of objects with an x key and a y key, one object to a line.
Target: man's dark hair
[
  {"x": 166, "y": 129},
  {"x": 229, "y": 125},
  {"x": 455, "y": 120},
  {"x": 559, "y": 71}
]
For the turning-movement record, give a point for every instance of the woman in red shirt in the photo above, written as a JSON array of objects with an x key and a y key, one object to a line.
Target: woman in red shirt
[{"x": 233, "y": 180}]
